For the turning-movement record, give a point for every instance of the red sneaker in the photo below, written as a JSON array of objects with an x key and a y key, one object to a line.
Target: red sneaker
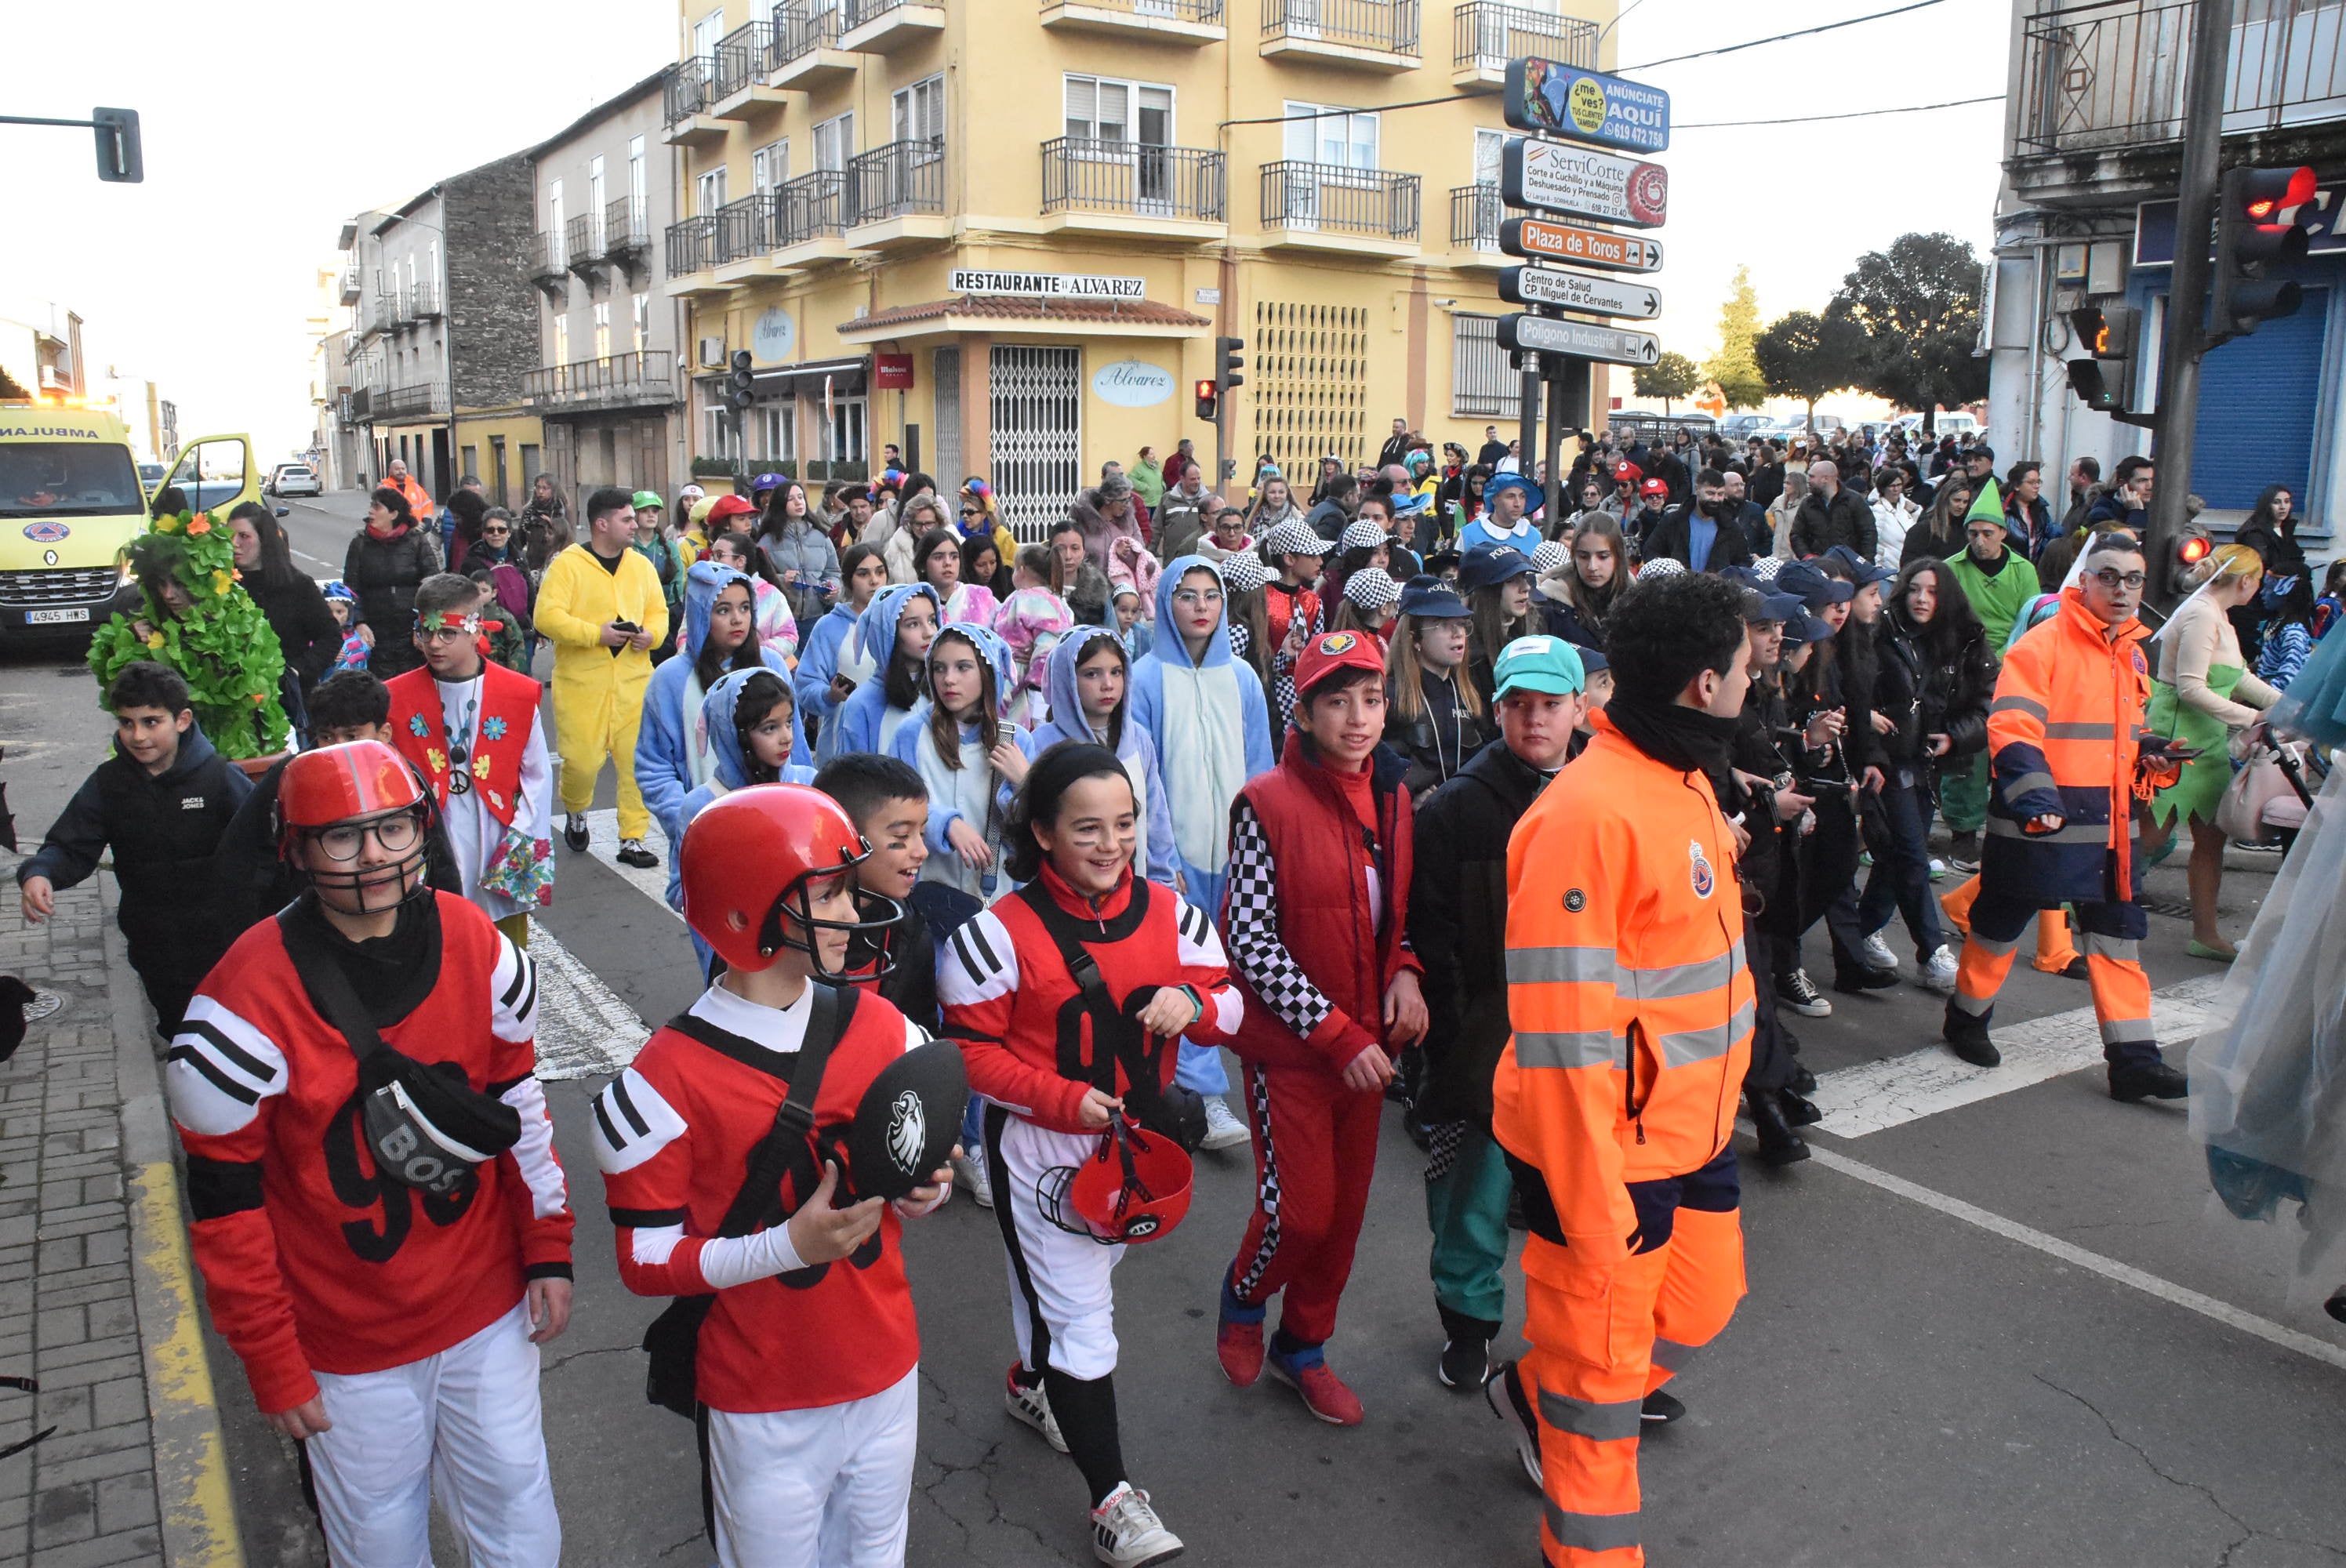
[
  {"x": 1324, "y": 1393},
  {"x": 1238, "y": 1347}
]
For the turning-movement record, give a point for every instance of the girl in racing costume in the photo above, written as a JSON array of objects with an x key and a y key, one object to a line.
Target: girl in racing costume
[{"x": 1011, "y": 1001}]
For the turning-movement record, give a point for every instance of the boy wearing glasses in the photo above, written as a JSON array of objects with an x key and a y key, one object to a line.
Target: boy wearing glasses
[
  {"x": 2065, "y": 737},
  {"x": 160, "y": 803},
  {"x": 471, "y": 727},
  {"x": 373, "y": 1198}
]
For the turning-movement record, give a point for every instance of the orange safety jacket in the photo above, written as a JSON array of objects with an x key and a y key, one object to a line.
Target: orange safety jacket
[
  {"x": 2064, "y": 735},
  {"x": 1627, "y": 988}
]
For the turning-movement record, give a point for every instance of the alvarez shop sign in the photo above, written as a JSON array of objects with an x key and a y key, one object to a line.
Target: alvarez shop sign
[{"x": 1046, "y": 285}]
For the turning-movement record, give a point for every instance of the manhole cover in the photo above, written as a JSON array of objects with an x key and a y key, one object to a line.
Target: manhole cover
[{"x": 44, "y": 1003}]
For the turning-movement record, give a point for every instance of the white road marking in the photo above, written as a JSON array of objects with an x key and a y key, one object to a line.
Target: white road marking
[
  {"x": 1900, "y": 1089},
  {"x": 603, "y": 839},
  {"x": 2110, "y": 1268},
  {"x": 584, "y": 1029}
]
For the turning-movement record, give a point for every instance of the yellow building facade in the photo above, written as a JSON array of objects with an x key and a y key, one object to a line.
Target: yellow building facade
[{"x": 1004, "y": 235}]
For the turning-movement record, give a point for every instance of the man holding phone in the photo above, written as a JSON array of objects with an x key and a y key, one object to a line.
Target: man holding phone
[{"x": 2065, "y": 741}]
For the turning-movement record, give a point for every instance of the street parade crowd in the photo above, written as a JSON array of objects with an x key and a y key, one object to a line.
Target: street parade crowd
[{"x": 1382, "y": 783}]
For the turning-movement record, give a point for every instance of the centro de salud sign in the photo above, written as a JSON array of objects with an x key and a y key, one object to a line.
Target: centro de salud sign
[
  {"x": 1046, "y": 285},
  {"x": 1552, "y": 98}
]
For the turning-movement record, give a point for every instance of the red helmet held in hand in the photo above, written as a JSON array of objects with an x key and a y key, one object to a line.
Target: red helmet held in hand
[
  {"x": 1134, "y": 1187},
  {"x": 748, "y": 858}
]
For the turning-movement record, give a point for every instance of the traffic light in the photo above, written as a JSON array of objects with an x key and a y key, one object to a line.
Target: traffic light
[
  {"x": 2250, "y": 237},
  {"x": 2191, "y": 547},
  {"x": 739, "y": 385},
  {"x": 2109, "y": 334},
  {"x": 119, "y": 159},
  {"x": 1209, "y": 402},
  {"x": 1228, "y": 363}
]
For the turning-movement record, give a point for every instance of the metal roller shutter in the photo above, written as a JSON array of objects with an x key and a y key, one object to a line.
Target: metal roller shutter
[{"x": 2258, "y": 397}]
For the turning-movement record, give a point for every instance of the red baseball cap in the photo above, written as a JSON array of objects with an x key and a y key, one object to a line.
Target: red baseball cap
[
  {"x": 1328, "y": 652},
  {"x": 730, "y": 506},
  {"x": 1653, "y": 487},
  {"x": 1628, "y": 471}
]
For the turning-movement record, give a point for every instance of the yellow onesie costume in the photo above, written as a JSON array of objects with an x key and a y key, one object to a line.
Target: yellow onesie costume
[{"x": 598, "y": 692}]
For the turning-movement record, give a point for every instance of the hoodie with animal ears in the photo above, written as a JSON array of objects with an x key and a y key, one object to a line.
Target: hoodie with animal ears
[
  {"x": 961, "y": 793},
  {"x": 866, "y": 721},
  {"x": 1134, "y": 747},
  {"x": 718, "y": 720},
  {"x": 675, "y": 754},
  {"x": 1212, "y": 728}
]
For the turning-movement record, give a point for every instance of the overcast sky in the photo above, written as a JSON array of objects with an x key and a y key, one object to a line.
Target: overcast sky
[{"x": 268, "y": 122}]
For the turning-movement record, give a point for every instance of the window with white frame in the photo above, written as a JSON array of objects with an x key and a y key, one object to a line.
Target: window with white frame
[
  {"x": 595, "y": 200},
  {"x": 920, "y": 112},
  {"x": 553, "y": 219},
  {"x": 835, "y": 142},
  {"x": 1490, "y": 147},
  {"x": 1103, "y": 108},
  {"x": 708, "y": 191},
  {"x": 562, "y": 340},
  {"x": 1483, "y": 381},
  {"x": 770, "y": 166},
  {"x": 643, "y": 320},
  {"x": 639, "y": 175},
  {"x": 709, "y": 32},
  {"x": 716, "y": 419},
  {"x": 845, "y": 432},
  {"x": 1341, "y": 137},
  {"x": 778, "y": 424},
  {"x": 602, "y": 328}
]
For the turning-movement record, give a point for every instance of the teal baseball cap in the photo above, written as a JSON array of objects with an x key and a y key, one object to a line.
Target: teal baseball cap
[{"x": 1539, "y": 663}]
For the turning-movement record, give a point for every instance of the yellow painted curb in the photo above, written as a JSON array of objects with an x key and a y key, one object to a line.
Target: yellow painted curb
[{"x": 192, "y": 1482}]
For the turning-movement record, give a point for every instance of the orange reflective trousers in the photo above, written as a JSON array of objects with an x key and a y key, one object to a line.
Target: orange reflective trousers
[{"x": 2054, "y": 952}]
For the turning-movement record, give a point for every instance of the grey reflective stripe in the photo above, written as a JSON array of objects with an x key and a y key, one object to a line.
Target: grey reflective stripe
[
  {"x": 2081, "y": 732},
  {"x": 1592, "y": 1532},
  {"x": 2083, "y": 833},
  {"x": 1599, "y": 1423},
  {"x": 1533, "y": 965},
  {"x": 2027, "y": 782},
  {"x": 2020, "y": 705},
  {"x": 1992, "y": 944},
  {"x": 2127, "y": 1031},
  {"x": 1976, "y": 1006},
  {"x": 2123, "y": 949},
  {"x": 1570, "y": 1048},
  {"x": 1683, "y": 978},
  {"x": 1691, "y": 1046},
  {"x": 1673, "y": 1355}
]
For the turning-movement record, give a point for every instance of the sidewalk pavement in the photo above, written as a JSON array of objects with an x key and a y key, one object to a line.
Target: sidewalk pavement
[{"x": 98, "y": 1295}]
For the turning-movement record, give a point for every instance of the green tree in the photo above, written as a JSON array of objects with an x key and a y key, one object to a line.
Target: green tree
[
  {"x": 1734, "y": 367},
  {"x": 1671, "y": 377},
  {"x": 1918, "y": 304},
  {"x": 9, "y": 387},
  {"x": 1805, "y": 355}
]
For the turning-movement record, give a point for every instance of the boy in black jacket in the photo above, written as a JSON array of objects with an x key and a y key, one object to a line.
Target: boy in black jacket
[
  {"x": 160, "y": 804},
  {"x": 1458, "y": 924}
]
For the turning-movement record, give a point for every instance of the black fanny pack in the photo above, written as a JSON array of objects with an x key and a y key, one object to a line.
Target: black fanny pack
[{"x": 426, "y": 1125}]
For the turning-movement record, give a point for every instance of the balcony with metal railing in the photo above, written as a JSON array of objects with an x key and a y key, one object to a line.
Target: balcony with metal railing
[
  {"x": 1475, "y": 214},
  {"x": 1133, "y": 187},
  {"x": 421, "y": 300},
  {"x": 2108, "y": 76},
  {"x": 418, "y": 400},
  {"x": 810, "y": 216},
  {"x": 692, "y": 256},
  {"x": 1152, "y": 21},
  {"x": 687, "y": 103},
  {"x": 626, "y": 230},
  {"x": 896, "y": 193},
  {"x": 549, "y": 266},
  {"x": 582, "y": 245},
  {"x": 615, "y": 380},
  {"x": 1485, "y": 35},
  {"x": 743, "y": 62},
  {"x": 350, "y": 289},
  {"x": 745, "y": 234},
  {"x": 1371, "y": 35},
  {"x": 883, "y": 26},
  {"x": 807, "y": 52},
  {"x": 380, "y": 314},
  {"x": 1328, "y": 207}
]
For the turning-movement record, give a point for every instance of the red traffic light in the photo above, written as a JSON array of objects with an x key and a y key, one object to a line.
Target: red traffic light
[
  {"x": 2267, "y": 191},
  {"x": 2193, "y": 549}
]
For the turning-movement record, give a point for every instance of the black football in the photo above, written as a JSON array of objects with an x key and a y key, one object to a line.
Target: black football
[{"x": 907, "y": 1121}]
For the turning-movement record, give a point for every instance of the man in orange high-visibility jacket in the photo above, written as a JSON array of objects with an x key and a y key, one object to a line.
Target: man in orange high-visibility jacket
[
  {"x": 2065, "y": 737},
  {"x": 1631, "y": 1004}
]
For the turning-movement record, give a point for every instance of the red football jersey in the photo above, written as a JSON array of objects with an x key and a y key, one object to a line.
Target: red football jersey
[{"x": 310, "y": 1261}]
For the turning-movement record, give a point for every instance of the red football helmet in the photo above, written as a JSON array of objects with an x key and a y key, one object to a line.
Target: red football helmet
[
  {"x": 747, "y": 859},
  {"x": 353, "y": 785},
  {"x": 1135, "y": 1188}
]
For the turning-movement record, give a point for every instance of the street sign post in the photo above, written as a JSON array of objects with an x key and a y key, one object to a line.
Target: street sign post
[
  {"x": 1581, "y": 182},
  {"x": 1580, "y": 292},
  {"x": 1536, "y": 238},
  {"x": 1523, "y": 334},
  {"x": 1549, "y": 98}
]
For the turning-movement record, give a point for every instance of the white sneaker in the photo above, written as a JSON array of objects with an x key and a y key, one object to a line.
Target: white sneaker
[
  {"x": 971, "y": 1174},
  {"x": 1940, "y": 975},
  {"x": 1223, "y": 1129},
  {"x": 1127, "y": 1533},
  {"x": 1033, "y": 1406},
  {"x": 1877, "y": 953}
]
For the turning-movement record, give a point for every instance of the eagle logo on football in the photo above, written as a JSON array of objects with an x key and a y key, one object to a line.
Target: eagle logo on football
[{"x": 908, "y": 1131}]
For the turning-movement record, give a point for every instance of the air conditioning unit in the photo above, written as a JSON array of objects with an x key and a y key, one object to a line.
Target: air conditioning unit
[{"x": 712, "y": 352}]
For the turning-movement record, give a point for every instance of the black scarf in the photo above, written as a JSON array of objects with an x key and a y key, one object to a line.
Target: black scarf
[{"x": 1686, "y": 738}]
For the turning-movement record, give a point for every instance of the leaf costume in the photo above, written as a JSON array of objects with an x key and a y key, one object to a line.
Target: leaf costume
[{"x": 222, "y": 643}]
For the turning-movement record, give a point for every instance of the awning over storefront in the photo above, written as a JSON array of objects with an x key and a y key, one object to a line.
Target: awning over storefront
[
  {"x": 848, "y": 378},
  {"x": 996, "y": 313}
]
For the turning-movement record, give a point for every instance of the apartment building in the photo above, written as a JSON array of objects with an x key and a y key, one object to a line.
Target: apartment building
[
  {"x": 1004, "y": 235},
  {"x": 446, "y": 331},
  {"x": 606, "y": 388},
  {"x": 2093, "y": 151}
]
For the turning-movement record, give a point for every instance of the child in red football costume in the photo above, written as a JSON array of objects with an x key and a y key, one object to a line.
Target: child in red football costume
[
  {"x": 804, "y": 1373},
  {"x": 1056, "y": 1067},
  {"x": 375, "y": 1203}
]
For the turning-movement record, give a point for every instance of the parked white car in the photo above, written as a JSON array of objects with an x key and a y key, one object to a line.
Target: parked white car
[{"x": 294, "y": 479}]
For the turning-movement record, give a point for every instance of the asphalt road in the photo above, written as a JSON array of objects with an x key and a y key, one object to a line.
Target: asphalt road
[{"x": 1995, "y": 1323}]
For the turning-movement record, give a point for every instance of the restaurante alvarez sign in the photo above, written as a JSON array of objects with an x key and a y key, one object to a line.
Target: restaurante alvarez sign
[{"x": 1047, "y": 285}]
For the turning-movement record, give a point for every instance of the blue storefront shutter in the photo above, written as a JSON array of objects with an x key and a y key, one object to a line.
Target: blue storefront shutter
[{"x": 2258, "y": 397}]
